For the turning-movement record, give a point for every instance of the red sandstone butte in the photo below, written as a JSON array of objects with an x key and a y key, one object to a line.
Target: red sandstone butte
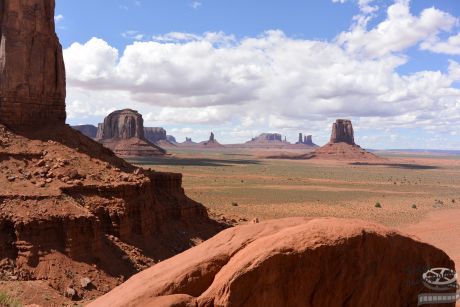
[
  {"x": 342, "y": 145},
  {"x": 288, "y": 262},
  {"x": 123, "y": 132},
  {"x": 32, "y": 74}
]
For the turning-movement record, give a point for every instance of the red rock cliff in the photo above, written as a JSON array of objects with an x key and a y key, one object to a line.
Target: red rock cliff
[{"x": 32, "y": 74}]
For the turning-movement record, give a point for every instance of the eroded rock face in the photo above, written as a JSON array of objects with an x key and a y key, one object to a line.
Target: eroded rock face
[
  {"x": 171, "y": 139},
  {"x": 267, "y": 137},
  {"x": 123, "y": 132},
  {"x": 288, "y": 262},
  {"x": 88, "y": 130},
  {"x": 155, "y": 134},
  {"x": 342, "y": 132},
  {"x": 123, "y": 124},
  {"x": 32, "y": 73}
]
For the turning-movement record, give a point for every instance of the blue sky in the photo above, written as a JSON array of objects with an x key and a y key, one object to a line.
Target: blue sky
[{"x": 241, "y": 68}]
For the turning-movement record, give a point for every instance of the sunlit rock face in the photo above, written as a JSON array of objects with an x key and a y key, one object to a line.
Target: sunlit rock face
[
  {"x": 32, "y": 73},
  {"x": 342, "y": 132}
]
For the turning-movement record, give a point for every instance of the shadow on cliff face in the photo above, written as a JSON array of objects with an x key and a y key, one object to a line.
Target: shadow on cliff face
[
  {"x": 398, "y": 165},
  {"x": 192, "y": 161}
]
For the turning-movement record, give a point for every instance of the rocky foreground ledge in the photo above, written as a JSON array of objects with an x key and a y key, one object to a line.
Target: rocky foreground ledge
[
  {"x": 75, "y": 215},
  {"x": 288, "y": 262}
]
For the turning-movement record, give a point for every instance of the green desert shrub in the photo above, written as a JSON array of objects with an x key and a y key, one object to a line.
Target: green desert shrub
[
  {"x": 8, "y": 301},
  {"x": 378, "y": 205},
  {"x": 414, "y": 206}
]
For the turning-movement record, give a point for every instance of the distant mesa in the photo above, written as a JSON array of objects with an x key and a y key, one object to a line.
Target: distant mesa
[
  {"x": 342, "y": 144},
  {"x": 88, "y": 130},
  {"x": 123, "y": 133},
  {"x": 265, "y": 138},
  {"x": 171, "y": 139},
  {"x": 157, "y": 135}
]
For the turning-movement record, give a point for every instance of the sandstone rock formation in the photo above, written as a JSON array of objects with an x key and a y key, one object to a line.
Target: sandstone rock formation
[
  {"x": 211, "y": 143},
  {"x": 155, "y": 134},
  {"x": 123, "y": 132},
  {"x": 123, "y": 125},
  {"x": 342, "y": 131},
  {"x": 342, "y": 145},
  {"x": 288, "y": 262},
  {"x": 306, "y": 140},
  {"x": 32, "y": 74},
  {"x": 100, "y": 129},
  {"x": 70, "y": 210},
  {"x": 266, "y": 137},
  {"x": 88, "y": 130},
  {"x": 171, "y": 139}
]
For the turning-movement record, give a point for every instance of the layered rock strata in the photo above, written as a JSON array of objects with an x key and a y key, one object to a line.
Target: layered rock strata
[
  {"x": 32, "y": 74},
  {"x": 123, "y": 133}
]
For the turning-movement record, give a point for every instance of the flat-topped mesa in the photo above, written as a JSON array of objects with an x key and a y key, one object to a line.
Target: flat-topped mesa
[
  {"x": 123, "y": 133},
  {"x": 32, "y": 73},
  {"x": 267, "y": 137},
  {"x": 123, "y": 124},
  {"x": 342, "y": 132},
  {"x": 88, "y": 130},
  {"x": 155, "y": 134}
]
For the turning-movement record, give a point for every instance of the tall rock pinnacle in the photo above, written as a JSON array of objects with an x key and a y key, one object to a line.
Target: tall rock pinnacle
[
  {"x": 342, "y": 132},
  {"x": 32, "y": 73}
]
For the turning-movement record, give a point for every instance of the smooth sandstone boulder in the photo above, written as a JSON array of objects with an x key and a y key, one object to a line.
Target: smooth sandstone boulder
[{"x": 288, "y": 262}]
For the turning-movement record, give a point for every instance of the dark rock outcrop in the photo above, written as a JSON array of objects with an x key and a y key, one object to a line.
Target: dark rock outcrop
[
  {"x": 342, "y": 132},
  {"x": 32, "y": 73},
  {"x": 211, "y": 143},
  {"x": 288, "y": 262},
  {"x": 123, "y": 132},
  {"x": 306, "y": 140},
  {"x": 88, "y": 130},
  {"x": 171, "y": 139},
  {"x": 155, "y": 134}
]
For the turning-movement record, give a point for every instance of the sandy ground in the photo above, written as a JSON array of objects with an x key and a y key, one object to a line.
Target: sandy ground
[{"x": 441, "y": 229}]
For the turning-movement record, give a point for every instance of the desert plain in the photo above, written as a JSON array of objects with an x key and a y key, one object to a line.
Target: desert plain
[{"x": 418, "y": 193}]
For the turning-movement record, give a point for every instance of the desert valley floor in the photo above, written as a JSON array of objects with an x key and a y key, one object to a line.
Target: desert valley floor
[{"x": 418, "y": 193}]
